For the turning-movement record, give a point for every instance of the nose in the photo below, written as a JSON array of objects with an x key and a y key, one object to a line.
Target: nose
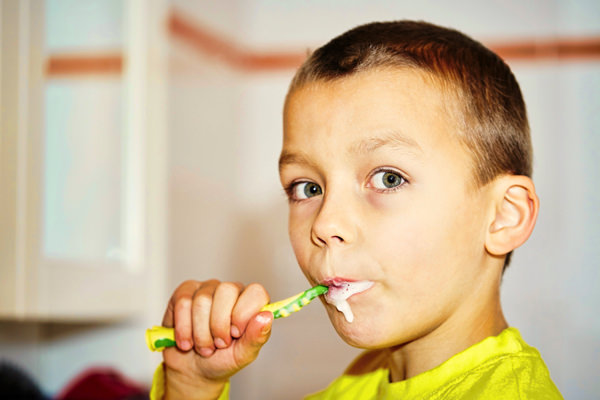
[{"x": 334, "y": 223}]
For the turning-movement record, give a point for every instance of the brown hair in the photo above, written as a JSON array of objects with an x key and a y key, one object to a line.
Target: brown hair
[{"x": 486, "y": 100}]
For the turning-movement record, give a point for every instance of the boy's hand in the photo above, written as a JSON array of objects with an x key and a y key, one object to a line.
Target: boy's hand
[{"x": 219, "y": 329}]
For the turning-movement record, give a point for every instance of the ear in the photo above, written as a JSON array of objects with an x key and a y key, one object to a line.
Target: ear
[{"x": 515, "y": 211}]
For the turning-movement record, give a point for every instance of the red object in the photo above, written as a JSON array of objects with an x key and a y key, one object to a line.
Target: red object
[{"x": 101, "y": 384}]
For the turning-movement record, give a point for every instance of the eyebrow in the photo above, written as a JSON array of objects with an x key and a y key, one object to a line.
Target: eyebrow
[
  {"x": 392, "y": 139},
  {"x": 287, "y": 158}
]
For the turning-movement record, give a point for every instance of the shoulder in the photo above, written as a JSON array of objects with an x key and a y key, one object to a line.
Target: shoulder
[
  {"x": 520, "y": 376},
  {"x": 531, "y": 376}
]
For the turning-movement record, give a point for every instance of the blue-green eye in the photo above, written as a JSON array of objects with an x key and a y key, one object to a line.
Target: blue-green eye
[
  {"x": 387, "y": 180},
  {"x": 305, "y": 190}
]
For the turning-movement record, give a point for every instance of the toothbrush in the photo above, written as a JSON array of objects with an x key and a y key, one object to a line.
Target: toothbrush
[{"x": 159, "y": 337}]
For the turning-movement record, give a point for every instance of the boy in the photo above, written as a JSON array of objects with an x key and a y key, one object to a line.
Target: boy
[{"x": 407, "y": 162}]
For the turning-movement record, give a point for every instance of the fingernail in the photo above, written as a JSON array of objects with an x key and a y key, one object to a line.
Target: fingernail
[
  {"x": 206, "y": 352},
  {"x": 220, "y": 343},
  {"x": 263, "y": 319},
  {"x": 235, "y": 332},
  {"x": 266, "y": 329}
]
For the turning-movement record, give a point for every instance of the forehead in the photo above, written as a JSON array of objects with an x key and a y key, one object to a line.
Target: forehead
[{"x": 369, "y": 109}]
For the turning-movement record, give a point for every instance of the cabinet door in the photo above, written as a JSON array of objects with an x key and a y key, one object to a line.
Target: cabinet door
[{"x": 75, "y": 163}]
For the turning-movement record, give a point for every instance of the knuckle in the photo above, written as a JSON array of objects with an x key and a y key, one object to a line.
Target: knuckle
[
  {"x": 228, "y": 288},
  {"x": 211, "y": 282},
  {"x": 256, "y": 289},
  {"x": 202, "y": 301},
  {"x": 183, "y": 303},
  {"x": 186, "y": 284}
]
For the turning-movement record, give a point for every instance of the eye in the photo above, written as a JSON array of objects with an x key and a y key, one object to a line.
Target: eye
[
  {"x": 384, "y": 180},
  {"x": 305, "y": 190}
]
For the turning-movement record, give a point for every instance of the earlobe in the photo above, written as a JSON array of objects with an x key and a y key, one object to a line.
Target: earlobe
[{"x": 515, "y": 211}]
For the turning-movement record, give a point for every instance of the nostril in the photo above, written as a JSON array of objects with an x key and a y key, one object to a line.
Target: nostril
[
  {"x": 327, "y": 239},
  {"x": 316, "y": 239}
]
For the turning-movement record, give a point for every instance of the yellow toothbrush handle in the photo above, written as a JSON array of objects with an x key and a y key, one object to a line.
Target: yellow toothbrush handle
[{"x": 160, "y": 337}]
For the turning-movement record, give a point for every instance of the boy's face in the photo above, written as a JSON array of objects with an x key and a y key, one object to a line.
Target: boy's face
[{"x": 381, "y": 190}]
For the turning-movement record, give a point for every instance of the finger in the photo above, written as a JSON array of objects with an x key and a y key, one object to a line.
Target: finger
[
  {"x": 182, "y": 289},
  {"x": 168, "y": 317},
  {"x": 224, "y": 299},
  {"x": 252, "y": 299},
  {"x": 201, "y": 307},
  {"x": 256, "y": 335},
  {"x": 179, "y": 315}
]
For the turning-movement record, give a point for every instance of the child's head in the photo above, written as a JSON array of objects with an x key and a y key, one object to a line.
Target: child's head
[
  {"x": 480, "y": 91},
  {"x": 406, "y": 158}
]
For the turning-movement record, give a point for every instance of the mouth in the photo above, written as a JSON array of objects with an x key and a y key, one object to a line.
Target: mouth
[
  {"x": 344, "y": 288},
  {"x": 337, "y": 282},
  {"x": 339, "y": 292}
]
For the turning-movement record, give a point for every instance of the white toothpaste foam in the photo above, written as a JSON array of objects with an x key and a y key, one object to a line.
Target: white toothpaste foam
[{"x": 337, "y": 295}]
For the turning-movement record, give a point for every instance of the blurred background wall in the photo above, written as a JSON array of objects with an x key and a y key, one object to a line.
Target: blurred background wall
[{"x": 155, "y": 128}]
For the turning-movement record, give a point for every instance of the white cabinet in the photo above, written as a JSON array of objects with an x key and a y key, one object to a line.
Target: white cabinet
[{"x": 82, "y": 159}]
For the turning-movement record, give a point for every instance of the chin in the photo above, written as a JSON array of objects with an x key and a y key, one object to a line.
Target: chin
[{"x": 360, "y": 333}]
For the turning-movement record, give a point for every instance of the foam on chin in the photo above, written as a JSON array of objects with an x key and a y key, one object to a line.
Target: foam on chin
[{"x": 339, "y": 293}]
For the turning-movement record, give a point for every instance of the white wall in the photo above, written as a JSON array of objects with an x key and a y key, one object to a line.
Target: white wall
[{"x": 551, "y": 292}]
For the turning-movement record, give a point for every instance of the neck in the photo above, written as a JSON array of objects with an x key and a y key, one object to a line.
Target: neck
[{"x": 479, "y": 318}]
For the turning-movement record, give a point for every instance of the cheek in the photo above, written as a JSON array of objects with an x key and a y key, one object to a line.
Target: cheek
[
  {"x": 295, "y": 236},
  {"x": 299, "y": 227},
  {"x": 396, "y": 237},
  {"x": 413, "y": 239}
]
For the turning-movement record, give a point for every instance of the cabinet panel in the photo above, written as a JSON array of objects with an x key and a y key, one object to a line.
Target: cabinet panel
[{"x": 74, "y": 171}]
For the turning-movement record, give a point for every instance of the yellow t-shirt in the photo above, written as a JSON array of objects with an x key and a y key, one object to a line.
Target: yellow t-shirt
[{"x": 500, "y": 367}]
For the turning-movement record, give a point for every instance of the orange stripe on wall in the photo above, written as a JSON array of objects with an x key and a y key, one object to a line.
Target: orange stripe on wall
[
  {"x": 561, "y": 49},
  {"x": 111, "y": 64},
  {"x": 208, "y": 43}
]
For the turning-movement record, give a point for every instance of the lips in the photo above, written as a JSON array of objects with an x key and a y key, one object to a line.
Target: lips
[
  {"x": 340, "y": 290},
  {"x": 343, "y": 289},
  {"x": 337, "y": 281}
]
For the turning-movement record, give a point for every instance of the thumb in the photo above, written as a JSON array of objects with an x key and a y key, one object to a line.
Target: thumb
[{"x": 256, "y": 335}]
